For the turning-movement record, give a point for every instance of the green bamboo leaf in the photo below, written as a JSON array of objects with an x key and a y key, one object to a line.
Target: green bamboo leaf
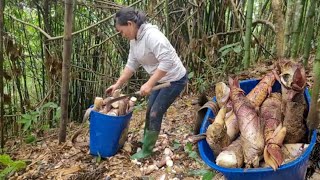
[
  {"x": 11, "y": 166},
  {"x": 57, "y": 114},
  {"x": 30, "y": 139},
  {"x": 237, "y": 49},
  {"x": 225, "y": 52},
  {"x": 190, "y": 75},
  {"x": 193, "y": 155},
  {"x": 188, "y": 147},
  {"x": 205, "y": 173},
  {"x": 4, "y": 173},
  {"x": 18, "y": 165},
  {"x": 176, "y": 144},
  {"x": 5, "y": 159},
  {"x": 208, "y": 176},
  {"x": 50, "y": 105},
  {"x": 26, "y": 126},
  {"x": 26, "y": 117},
  {"x": 228, "y": 46},
  {"x": 22, "y": 121}
]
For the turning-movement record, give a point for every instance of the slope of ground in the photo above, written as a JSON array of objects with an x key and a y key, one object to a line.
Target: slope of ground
[{"x": 46, "y": 159}]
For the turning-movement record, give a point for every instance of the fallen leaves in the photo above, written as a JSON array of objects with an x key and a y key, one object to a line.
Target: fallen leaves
[{"x": 48, "y": 159}]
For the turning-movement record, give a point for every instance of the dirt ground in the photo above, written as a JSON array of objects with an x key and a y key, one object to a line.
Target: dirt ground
[{"x": 47, "y": 159}]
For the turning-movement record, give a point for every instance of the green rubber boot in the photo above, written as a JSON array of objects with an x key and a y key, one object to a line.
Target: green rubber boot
[
  {"x": 144, "y": 134},
  {"x": 150, "y": 139}
]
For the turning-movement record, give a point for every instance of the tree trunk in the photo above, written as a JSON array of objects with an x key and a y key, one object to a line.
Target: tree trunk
[
  {"x": 309, "y": 33},
  {"x": 67, "y": 50},
  {"x": 247, "y": 41},
  {"x": 1, "y": 76},
  {"x": 278, "y": 21},
  {"x": 313, "y": 119}
]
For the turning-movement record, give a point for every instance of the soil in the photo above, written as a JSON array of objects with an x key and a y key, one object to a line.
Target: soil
[{"x": 47, "y": 159}]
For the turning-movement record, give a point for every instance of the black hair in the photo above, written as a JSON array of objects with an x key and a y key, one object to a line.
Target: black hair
[{"x": 129, "y": 14}]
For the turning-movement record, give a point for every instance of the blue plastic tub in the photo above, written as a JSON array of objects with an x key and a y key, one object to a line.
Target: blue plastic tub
[
  {"x": 294, "y": 170},
  {"x": 105, "y": 133}
]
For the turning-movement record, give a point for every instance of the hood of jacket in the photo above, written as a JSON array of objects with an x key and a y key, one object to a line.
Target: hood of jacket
[{"x": 143, "y": 29}]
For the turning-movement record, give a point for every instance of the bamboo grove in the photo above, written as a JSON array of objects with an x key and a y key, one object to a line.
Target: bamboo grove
[{"x": 213, "y": 38}]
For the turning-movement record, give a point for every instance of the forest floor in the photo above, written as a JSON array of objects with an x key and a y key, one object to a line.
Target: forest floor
[{"x": 47, "y": 159}]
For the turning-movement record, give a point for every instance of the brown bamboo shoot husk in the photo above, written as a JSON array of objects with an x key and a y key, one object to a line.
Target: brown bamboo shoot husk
[
  {"x": 217, "y": 136},
  {"x": 123, "y": 105},
  {"x": 274, "y": 133},
  {"x": 250, "y": 126}
]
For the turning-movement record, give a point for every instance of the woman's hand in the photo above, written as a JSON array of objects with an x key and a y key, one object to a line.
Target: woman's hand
[
  {"x": 112, "y": 88},
  {"x": 146, "y": 89},
  {"x": 126, "y": 74}
]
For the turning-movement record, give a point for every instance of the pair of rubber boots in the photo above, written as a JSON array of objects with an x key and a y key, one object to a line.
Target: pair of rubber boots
[{"x": 149, "y": 141}]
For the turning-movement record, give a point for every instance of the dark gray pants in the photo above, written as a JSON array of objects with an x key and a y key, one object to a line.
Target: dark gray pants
[{"x": 159, "y": 101}]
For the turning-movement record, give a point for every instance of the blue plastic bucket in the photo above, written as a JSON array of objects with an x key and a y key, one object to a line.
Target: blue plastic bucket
[
  {"x": 294, "y": 170},
  {"x": 105, "y": 133}
]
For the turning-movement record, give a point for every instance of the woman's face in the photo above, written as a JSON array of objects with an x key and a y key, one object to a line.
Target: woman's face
[{"x": 128, "y": 31}]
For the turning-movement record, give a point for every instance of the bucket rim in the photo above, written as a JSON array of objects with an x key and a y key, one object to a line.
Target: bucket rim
[
  {"x": 212, "y": 164},
  {"x": 121, "y": 116},
  {"x": 302, "y": 157}
]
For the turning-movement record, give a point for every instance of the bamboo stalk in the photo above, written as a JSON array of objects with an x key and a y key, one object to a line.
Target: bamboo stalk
[
  {"x": 313, "y": 118},
  {"x": 67, "y": 50},
  {"x": 278, "y": 21},
  {"x": 309, "y": 32},
  {"x": 298, "y": 15},
  {"x": 167, "y": 16},
  {"x": 288, "y": 25},
  {"x": 247, "y": 42},
  {"x": 1, "y": 78},
  {"x": 236, "y": 15}
]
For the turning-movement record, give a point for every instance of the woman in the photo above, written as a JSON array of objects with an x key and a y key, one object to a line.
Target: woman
[{"x": 150, "y": 49}]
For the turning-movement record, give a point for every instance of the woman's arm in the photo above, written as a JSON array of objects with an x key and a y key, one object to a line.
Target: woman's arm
[
  {"x": 158, "y": 74},
  {"x": 125, "y": 76},
  {"x": 131, "y": 66},
  {"x": 146, "y": 88}
]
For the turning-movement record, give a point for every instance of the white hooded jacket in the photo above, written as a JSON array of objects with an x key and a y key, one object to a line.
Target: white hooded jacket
[{"x": 152, "y": 50}]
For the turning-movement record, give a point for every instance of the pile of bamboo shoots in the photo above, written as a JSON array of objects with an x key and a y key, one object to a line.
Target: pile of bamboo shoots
[
  {"x": 118, "y": 108},
  {"x": 262, "y": 128}
]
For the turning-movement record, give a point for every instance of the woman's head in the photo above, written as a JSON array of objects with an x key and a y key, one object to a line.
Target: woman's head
[{"x": 128, "y": 21}]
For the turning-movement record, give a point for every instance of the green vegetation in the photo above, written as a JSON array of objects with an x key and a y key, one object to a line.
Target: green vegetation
[
  {"x": 214, "y": 39},
  {"x": 9, "y": 166}
]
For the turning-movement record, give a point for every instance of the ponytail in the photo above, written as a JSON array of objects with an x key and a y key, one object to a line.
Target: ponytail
[{"x": 129, "y": 14}]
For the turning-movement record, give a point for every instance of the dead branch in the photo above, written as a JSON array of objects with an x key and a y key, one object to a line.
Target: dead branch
[
  {"x": 236, "y": 14},
  {"x": 109, "y": 4},
  {"x": 184, "y": 21},
  {"x": 96, "y": 45},
  {"x": 261, "y": 21},
  {"x": 26, "y": 23},
  {"x": 266, "y": 22},
  {"x": 74, "y": 33}
]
